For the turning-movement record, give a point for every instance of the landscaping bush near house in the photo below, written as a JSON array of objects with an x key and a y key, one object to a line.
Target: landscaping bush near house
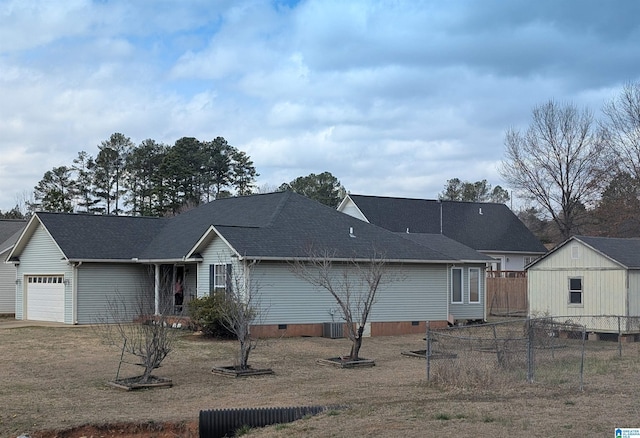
[{"x": 206, "y": 315}]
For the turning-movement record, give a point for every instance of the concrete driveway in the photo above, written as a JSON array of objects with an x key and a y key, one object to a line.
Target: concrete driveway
[{"x": 9, "y": 323}]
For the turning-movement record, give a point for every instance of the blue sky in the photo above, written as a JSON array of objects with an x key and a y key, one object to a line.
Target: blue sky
[{"x": 392, "y": 97}]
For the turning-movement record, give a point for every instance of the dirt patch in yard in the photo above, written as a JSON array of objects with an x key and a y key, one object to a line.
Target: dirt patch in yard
[
  {"x": 55, "y": 379},
  {"x": 144, "y": 430}
]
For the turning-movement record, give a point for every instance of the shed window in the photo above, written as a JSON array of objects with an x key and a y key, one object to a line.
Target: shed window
[
  {"x": 575, "y": 290},
  {"x": 474, "y": 285},
  {"x": 575, "y": 252},
  {"x": 456, "y": 285}
]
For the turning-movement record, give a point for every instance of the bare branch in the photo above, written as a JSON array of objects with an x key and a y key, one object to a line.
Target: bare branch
[{"x": 353, "y": 285}]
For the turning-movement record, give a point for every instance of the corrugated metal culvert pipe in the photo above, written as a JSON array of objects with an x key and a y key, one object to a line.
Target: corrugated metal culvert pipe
[{"x": 219, "y": 423}]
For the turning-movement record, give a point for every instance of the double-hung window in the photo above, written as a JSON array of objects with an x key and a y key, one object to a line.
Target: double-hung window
[
  {"x": 474, "y": 285},
  {"x": 219, "y": 278},
  {"x": 575, "y": 290},
  {"x": 456, "y": 285}
]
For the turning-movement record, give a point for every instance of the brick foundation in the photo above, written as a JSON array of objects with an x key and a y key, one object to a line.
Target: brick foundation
[{"x": 315, "y": 330}]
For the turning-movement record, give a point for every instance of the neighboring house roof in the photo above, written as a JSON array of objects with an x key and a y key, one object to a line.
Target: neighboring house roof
[
  {"x": 488, "y": 227},
  {"x": 10, "y": 230},
  {"x": 271, "y": 226},
  {"x": 624, "y": 251}
]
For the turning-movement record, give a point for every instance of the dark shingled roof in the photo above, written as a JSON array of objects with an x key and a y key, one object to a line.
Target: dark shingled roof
[
  {"x": 445, "y": 245},
  {"x": 10, "y": 230},
  {"x": 275, "y": 225},
  {"x": 479, "y": 225},
  {"x": 625, "y": 251},
  {"x": 97, "y": 237}
]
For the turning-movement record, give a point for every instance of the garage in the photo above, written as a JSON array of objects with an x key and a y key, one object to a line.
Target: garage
[{"x": 45, "y": 298}]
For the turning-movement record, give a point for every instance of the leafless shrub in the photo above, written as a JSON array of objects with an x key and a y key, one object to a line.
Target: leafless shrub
[{"x": 138, "y": 329}]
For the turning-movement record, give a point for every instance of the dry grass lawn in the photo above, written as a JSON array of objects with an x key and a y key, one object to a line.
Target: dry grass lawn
[{"x": 54, "y": 378}]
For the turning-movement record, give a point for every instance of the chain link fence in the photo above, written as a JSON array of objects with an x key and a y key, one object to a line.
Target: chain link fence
[
  {"x": 548, "y": 350},
  {"x": 486, "y": 355}
]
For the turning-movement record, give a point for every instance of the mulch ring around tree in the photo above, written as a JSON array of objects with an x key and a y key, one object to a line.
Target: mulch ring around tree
[
  {"x": 132, "y": 383},
  {"x": 235, "y": 371},
  {"x": 345, "y": 362}
]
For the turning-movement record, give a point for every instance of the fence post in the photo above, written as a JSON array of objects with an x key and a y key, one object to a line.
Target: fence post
[
  {"x": 530, "y": 358},
  {"x": 584, "y": 337},
  {"x": 499, "y": 353},
  {"x": 428, "y": 350},
  {"x": 619, "y": 337}
]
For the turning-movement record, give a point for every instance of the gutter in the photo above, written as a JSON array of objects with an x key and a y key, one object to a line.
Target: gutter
[{"x": 343, "y": 259}]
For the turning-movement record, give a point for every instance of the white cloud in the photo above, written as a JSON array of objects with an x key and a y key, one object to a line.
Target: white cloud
[{"x": 393, "y": 98}]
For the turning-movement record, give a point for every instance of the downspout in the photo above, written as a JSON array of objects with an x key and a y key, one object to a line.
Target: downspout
[
  {"x": 156, "y": 289},
  {"x": 448, "y": 291},
  {"x": 74, "y": 291}
]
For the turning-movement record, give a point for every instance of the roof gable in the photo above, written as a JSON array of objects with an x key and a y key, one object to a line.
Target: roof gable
[
  {"x": 99, "y": 237},
  {"x": 479, "y": 225}
]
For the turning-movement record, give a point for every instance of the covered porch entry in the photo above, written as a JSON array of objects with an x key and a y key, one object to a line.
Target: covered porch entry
[{"x": 174, "y": 287}]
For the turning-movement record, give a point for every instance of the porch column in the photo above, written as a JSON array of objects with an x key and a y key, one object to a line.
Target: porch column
[{"x": 156, "y": 289}]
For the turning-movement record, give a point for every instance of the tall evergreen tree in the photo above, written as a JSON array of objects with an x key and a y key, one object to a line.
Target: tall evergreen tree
[
  {"x": 83, "y": 168},
  {"x": 55, "y": 191},
  {"x": 110, "y": 171},
  {"x": 324, "y": 188}
]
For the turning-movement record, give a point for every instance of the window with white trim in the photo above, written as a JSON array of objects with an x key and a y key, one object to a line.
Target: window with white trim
[
  {"x": 456, "y": 285},
  {"x": 474, "y": 285},
  {"x": 219, "y": 277},
  {"x": 575, "y": 290}
]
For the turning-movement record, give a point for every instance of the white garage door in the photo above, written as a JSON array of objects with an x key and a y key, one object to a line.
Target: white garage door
[{"x": 45, "y": 298}]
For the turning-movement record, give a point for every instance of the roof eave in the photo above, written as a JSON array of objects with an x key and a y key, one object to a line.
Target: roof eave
[{"x": 359, "y": 260}]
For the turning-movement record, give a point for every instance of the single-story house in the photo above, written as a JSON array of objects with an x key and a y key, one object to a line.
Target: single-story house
[
  {"x": 489, "y": 228},
  {"x": 587, "y": 276},
  {"x": 10, "y": 230},
  {"x": 69, "y": 266}
]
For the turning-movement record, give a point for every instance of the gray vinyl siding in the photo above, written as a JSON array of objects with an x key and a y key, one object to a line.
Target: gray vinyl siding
[
  {"x": 217, "y": 252},
  {"x": 102, "y": 283},
  {"x": 41, "y": 256},
  {"x": 7, "y": 285},
  {"x": 466, "y": 309},
  {"x": 417, "y": 294}
]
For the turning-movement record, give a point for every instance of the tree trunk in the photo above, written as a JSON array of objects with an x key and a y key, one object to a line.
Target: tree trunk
[
  {"x": 356, "y": 344},
  {"x": 245, "y": 349}
]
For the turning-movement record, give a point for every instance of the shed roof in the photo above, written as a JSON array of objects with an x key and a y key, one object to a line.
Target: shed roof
[
  {"x": 625, "y": 251},
  {"x": 479, "y": 225}
]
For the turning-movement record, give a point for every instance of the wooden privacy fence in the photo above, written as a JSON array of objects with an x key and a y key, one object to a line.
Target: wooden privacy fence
[{"x": 507, "y": 293}]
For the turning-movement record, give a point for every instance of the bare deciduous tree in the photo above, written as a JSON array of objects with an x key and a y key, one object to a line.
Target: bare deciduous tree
[
  {"x": 240, "y": 310},
  {"x": 622, "y": 128},
  {"x": 130, "y": 324},
  {"x": 353, "y": 284},
  {"x": 558, "y": 163}
]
